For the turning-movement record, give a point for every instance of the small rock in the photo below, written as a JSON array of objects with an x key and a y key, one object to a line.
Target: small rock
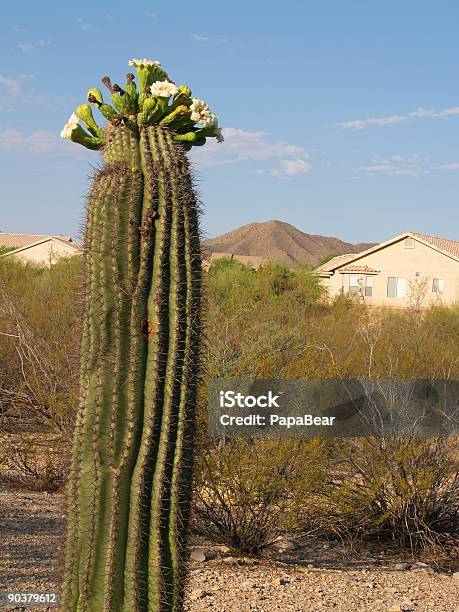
[
  {"x": 283, "y": 544},
  {"x": 230, "y": 561},
  {"x": 400, "y": 567},
  {"x": 198, "y": 555},
  {"x": 455, "y": 576},
  {"x": 422, "y": 567},
  {"x": 396, "y": 608},
  {"x": 419, "y": 565}
]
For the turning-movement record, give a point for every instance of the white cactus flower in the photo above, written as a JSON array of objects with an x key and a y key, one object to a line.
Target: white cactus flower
[
  {"x": 70, "y": 126},
  {"x": 141, "y": 63},
  {"x": 198, "y": 109},
  {"x": 164, "y": 89},
  {"x": 202, "y": 115},
  {"x": 213, "y": 120}
]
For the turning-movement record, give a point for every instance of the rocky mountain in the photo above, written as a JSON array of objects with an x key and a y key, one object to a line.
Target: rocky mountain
[{"x": 280, "y": 241}]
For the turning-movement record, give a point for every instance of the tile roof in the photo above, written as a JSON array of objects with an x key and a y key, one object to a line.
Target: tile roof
[
  {"x": 333, "y": 263},
  {"x": 70, "y": 243},
  {"x": 16, "y": 241},
  {"x": 359, "y": 269},
  {"x": 443, "y": 244},
  {"x": 20, "y": 241}
]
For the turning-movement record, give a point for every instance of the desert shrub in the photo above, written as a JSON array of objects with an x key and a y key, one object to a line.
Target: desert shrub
[
  {"x": 39, "y": 353},
  {"x": 267, "y": 324},
  {"x": 233, "y": 286},
  {"x": 406, "y": 491},
  {"x": 39, "y": 343},
  {"x": 256, "y": 319},
  {"x": 4, "y": 250},
  {"x": 248, "y": 492},
  {"x": 33, "y": 462}
]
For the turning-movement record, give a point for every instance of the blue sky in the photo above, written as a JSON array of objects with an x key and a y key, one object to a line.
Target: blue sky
[{"x": 341, "y": 118}]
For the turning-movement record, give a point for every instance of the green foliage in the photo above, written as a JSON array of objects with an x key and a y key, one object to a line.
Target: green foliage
[
  {"x": 232, "y": 285},
  {"x": 4, "y": 249},
  {"x": 270, "y": 323}
]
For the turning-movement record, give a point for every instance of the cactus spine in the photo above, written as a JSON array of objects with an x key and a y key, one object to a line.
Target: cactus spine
[{"x": 129, "y": 484}]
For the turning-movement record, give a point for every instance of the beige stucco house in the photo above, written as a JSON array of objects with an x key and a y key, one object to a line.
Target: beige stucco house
[
  {"x": 410, "y": 269},
  {"x": 38, "y": 248}
]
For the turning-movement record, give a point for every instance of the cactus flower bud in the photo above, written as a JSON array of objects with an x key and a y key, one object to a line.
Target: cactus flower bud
[
  {"x": 84, "y": 112},
  {"x": 184, "y": 89},
  {"x": 108, "y": 84},
  {"x": 96, "y": 96}
]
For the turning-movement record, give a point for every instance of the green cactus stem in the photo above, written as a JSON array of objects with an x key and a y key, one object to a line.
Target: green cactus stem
[{"x": 130, "y": 477}]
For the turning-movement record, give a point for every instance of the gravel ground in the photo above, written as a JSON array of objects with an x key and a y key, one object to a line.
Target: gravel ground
[{"x": 31, "y": 528}]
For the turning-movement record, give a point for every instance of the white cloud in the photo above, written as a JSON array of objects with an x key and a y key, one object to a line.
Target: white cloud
[
  {"x": 446, "y": 167},
  {"x": 38, "y": 142},
  {"x": 41, "y": 141},
  {"x": 245, "y": 146},
  {"x": 28, "y": 47},
  {"x": 397, "y": 165},
  {"x": 242, "y": 145},
  {"x": 12, "y": 86},
  {"x": 12, "y": 93},
  {"x": 207, "y": 39},
  {"x": 291, "y": 167},
  {"x": 420, "y": 113},
  {"x": 86, "y": 26}
]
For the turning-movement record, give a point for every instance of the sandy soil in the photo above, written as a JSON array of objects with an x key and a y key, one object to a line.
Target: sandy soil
[{"x": 294, "y": 578}]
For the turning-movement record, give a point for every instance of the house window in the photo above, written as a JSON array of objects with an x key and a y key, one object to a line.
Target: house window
[
  {"x": 396, "y": 287},
  {"x": 437, "y": 285},
  {"x": 354, "y": 283},
  {"x": 409, "y": 243},
  {"x": 369, "y": 283}
]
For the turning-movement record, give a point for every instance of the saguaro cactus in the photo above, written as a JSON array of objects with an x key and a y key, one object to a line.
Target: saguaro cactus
[{"x": 130, "y": 476}]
